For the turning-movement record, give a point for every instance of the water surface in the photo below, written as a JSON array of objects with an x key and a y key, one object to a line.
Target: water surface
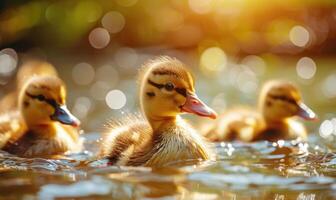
[{"x": 263, "y": 170}]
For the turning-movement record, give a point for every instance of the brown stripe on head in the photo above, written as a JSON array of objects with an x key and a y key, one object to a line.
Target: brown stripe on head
[
  {"x": 51, "y": 87},
  {"x": 165, "y": 65},
  {"x": 279, "y": 89}
]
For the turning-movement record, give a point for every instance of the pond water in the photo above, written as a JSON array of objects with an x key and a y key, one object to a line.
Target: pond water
[{"x": 262, "y": 170}]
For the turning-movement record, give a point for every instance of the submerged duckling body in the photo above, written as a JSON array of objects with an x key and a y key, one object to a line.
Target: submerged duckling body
[
  {"x": 40, "y": 127},
  {"x": 162, "y": 136},
  {"x": 279, "y": 103}
]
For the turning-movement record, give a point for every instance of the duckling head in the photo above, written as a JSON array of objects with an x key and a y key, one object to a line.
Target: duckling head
[
  {"x": 32, "y": 68},
  {"x": 280, "y": 100},
  {"x": 167, "y": 90},
  {"x": 42, "y": 101}
]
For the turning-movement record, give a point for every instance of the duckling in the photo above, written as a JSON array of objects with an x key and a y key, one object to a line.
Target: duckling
[
  {"x": 279, "y": 102},
  {"x": 29, "y": 69},
  {"x": 40, "y": 127},
  {"x": 161, "y": 136}
]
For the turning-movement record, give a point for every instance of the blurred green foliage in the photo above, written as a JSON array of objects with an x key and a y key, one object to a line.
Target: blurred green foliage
[{"x": 245, "y": 26}]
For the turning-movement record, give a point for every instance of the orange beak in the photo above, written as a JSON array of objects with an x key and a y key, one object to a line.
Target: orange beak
[{"x": 194, "y": 105}]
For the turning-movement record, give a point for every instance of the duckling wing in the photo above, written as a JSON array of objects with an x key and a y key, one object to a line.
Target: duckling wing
[
  {"x": 12, "y": 127},
  {"x": 128, "y": 141},
  {"x": 239, "y": 123}
]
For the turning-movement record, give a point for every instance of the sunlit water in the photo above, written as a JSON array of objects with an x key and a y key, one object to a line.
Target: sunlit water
[{"x": 263, "y": 170}]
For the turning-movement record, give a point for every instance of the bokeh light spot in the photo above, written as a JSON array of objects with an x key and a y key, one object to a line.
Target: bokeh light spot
[
  {"x": 83, "y": 74},
  {"x": 218, "y": 102},
  {"x": 99, "y": 90},
  {"x": 328, "y": 86},
  {"x": 115, "y": 99},
  {"x": 326, "y": 129},
  {"x": 113, "y": 21},
  {"x": 82, "y": 107},
  {"x": 8, "y": 62},
  {"x": 247, "y": 81},
  {"x": 213, "y": 59},
  {"x": 108, "y": 74},
  {"x": 99, "y": 38},
  {"x": 126, "y": 57},
  {"x": 299, "y": 36},
  {"x": 306, "y": 68},
  {"x": 256, "y": 63}
]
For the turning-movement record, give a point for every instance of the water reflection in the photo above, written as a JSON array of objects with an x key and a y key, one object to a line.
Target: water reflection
[{"x": 263, "y": 170}]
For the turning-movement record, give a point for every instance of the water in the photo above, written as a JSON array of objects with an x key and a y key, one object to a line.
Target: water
[{"x": 263, "y": 170}]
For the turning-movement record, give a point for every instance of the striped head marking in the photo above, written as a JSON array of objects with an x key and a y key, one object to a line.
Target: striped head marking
[
  {"x": 282, "y": 99},
  {"x": 43, "y": 100},
  {"x": 167, "y": 88}
]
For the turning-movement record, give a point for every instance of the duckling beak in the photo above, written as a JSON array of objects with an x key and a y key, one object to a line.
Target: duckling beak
[
  {"x": 63, "y": 115},
  {"x": 306, "y": 113},
  {"x": 194, "y": 105}
]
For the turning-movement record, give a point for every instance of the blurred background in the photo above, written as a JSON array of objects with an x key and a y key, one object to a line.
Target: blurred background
[{"x": 232, "y": 46}]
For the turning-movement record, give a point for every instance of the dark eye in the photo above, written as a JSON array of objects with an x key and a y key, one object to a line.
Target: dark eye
[
  {"x": 40, "y": 97},
  {"x": 52, "y": 102},
  {"x": 169, "y": 86}
]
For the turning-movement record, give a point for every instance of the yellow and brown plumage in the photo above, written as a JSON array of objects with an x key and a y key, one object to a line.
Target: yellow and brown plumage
[
  {"x": 28, "y": 70},
  {"x": 161, "y": 137},
  {"x": 279, "y": 102},
  {"x": 40, "y": 126}
]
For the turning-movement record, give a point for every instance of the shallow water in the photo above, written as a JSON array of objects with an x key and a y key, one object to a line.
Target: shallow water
[{"x": 263, "y": 170}]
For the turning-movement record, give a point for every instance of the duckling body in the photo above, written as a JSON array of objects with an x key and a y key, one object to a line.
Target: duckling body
[
  {"x": 45, "y": 141},
  {"x": 279, "y": 103},
  {"x": 40, "y": 127},
  {"x": 57, "y": 142},
  {"x": 138, "y": 144},
  {"x": 162, "y": 136},
  {"x": 12, "y": 127}
]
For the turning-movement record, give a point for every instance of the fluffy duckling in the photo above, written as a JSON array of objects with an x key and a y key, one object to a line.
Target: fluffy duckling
[
  {"x": 166, "y": 91},
  {"x": 279, "y": 102},
  {"x": 26, "y": 71},
  {"x": 34, "y": 130}
]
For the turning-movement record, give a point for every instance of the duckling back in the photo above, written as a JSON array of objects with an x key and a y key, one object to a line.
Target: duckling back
[
  {"x": 127, "y": 141},
  {"x": 12, "y": 127},
  {"x": 237, "y": 124}
]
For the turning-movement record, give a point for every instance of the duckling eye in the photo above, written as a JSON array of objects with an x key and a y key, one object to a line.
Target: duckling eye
[
  {"x": 40, "y": 97},
  {"x": 169, "y": 87}
]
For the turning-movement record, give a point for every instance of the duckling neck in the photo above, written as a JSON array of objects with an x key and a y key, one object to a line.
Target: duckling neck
[
  {"x": 157, "y": 123},
  {"x": 45, "y": 130},
  {"x": 273, "y": 122}
]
